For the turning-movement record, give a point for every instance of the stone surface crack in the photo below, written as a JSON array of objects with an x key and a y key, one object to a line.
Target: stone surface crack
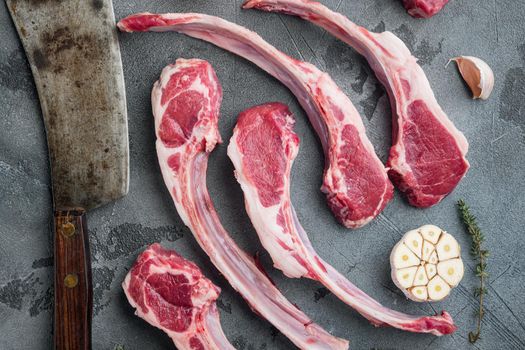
[{"x": 291, "y": 38}]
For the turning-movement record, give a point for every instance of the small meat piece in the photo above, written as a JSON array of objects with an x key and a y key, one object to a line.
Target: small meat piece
[
  {"x": 262, "y": 149},
  {"x": 424, "y": 8},
  {"x": 186, "y": 101},
  {"x": 427, "y": 157},
  {"x": 355, "y": 182},
  {"x": 170, "y": 293}
]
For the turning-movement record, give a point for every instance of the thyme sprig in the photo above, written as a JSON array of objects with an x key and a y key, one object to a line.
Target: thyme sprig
[{"x": 481, "y": 256}]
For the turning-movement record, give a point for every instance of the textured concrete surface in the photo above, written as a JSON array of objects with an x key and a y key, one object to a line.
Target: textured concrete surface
[{"x": 494, "y": 186}]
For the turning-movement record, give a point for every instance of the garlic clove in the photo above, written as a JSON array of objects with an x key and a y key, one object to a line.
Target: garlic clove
[
  {"x": 438, "y": 289},
  {"x": 414, "y": 242},
  {"x": 433, "y": 258},
  {"x": 419, "y": 293},
  {"x": 406, "y": 276},
  {"x": 421, "y": 277},
  {"x": 477, "y": 74},
  {"x": 431, "y": 270},
  {"x": 403, "y": 257},
  {"x": 451, "y": 271},
  {"x": 428, "y": 249},
  {"x": 430, "y": 233},
  {"x": 447, "y": 247}
]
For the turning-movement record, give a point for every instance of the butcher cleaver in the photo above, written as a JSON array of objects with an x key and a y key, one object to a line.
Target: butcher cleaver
[{"x": 74, "y": 56}]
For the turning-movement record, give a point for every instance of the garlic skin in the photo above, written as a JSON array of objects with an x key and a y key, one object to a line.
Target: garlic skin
[
  {"x": 426, "y": 264},
  {"x": 477, "y": 74}
]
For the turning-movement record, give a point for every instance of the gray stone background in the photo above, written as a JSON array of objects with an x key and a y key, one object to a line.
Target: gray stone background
[{"x": 493, "y": 187}]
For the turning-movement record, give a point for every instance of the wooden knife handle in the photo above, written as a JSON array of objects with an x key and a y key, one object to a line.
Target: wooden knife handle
[{"x": 73, "y": 289}]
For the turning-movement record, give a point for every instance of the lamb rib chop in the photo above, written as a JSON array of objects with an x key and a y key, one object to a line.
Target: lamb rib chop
[
  {"x": 427, "y": 158},
  {"x": 262, "y": 149},
  {"x": 171, "y": 293},
  {"x": 355, "y": 181},
  {"x": 186, "y": 102},
  {"x": 424, "y": 8}
]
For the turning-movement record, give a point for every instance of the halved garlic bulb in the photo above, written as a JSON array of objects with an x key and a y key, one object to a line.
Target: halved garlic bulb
[
  {"x": 477, "y": 74},
  {"x": 426, "y": 264}
]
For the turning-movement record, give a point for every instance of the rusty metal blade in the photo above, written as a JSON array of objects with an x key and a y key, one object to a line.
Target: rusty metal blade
[{"x": 74, "y": 55}]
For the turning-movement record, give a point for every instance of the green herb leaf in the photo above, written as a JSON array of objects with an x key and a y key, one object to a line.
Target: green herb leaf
[{"x": 481, "y": 256}]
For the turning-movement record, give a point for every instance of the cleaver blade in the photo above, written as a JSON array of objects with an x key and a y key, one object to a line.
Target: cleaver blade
[{"x": 73, "y": 51}]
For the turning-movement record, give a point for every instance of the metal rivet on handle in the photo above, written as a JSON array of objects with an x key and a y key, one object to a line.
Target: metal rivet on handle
[
  {"x": 71, "y": 280},
  {"x": 68, "y": 229}
]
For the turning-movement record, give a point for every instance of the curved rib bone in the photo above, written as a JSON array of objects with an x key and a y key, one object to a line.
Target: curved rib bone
[
  {"x": 355, "y": 181},
  {"x": 262, "y": 149}
]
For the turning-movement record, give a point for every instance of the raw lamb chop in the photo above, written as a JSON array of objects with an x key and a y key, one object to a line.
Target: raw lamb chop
[
  {"x": 262, "y": 149},
  {"x": 171, "y": 293},
  {"x": 186, "y": 102},
  {"x": 424, "y": 8},
  {"x": 355, "y": 181},
  {"x": 427, "y": 158}
]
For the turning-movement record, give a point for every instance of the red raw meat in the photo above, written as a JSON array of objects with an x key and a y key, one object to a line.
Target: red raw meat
[
  {"x": 424, "y": 8},
  {"x": 427, "y": 158},
  {"x": 170, "y": 293},
  {"x": 355, "y": 181},
  {"x": 185, "y": 138},
  {"x": 262, "y": 149}
]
